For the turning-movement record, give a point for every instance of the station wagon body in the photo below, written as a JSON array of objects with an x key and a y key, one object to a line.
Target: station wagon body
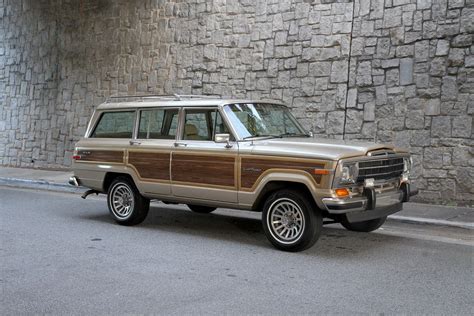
[{"x": 240, "y": 154}]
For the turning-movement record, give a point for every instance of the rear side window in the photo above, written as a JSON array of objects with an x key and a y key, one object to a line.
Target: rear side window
[
  {"x": 115, "y": 125},
  {"x": 158, "y": 124}
]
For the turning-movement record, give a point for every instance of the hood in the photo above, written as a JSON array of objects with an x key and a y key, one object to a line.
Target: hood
[{"x": 330, "y": 149}]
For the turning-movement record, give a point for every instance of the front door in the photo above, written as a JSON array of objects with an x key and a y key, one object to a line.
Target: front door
[{"x": 202, "y": 169}]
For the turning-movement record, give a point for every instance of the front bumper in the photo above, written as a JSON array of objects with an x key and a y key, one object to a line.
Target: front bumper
[{"x": 370, "y": 205}]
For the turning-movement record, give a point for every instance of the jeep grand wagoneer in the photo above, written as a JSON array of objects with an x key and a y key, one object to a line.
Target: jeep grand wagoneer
[{"x": 242, "y": 154}]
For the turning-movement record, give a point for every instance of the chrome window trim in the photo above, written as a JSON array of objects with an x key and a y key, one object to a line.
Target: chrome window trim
[
  {"x": 99, "y": 114},
  {"x": 137, "y": 121},
  {"x": 211, "y": 107}
]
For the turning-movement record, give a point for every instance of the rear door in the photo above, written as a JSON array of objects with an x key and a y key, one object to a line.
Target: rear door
[
  {"x": 202, "y": 169},
  {"x": 150, "y": 152}
]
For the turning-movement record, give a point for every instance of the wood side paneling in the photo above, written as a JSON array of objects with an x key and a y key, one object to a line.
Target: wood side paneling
[
  {"x": 253, "y": 168},
  {"x": 204, "y": 169},
  {"x": 151, "y": 165},
  {"x": 115, "y": 156}
]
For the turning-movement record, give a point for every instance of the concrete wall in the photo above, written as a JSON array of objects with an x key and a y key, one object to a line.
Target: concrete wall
[{"x": 396, "y": 71}]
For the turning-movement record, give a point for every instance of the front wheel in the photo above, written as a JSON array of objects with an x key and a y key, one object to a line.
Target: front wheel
[
  {"x": 127, "y": 206},
  {"x": 290, "y": 221},
  {"x": 366, "y": 226}
]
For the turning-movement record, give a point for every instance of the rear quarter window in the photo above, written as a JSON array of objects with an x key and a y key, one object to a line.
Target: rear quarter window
[{"x": 115, "y": 125}]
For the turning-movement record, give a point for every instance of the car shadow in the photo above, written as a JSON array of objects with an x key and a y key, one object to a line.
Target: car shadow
[{"x": 334, "y": 242}]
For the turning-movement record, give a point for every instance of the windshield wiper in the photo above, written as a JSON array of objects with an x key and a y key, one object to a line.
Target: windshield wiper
[
  {"x": 294, "y": 135},
  {"x": 263, "y": 135}
]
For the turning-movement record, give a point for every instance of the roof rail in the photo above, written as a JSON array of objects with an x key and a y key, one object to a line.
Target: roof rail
[
  {"x": 197, "y": 96},
  {"x": 177, "y": 97}
]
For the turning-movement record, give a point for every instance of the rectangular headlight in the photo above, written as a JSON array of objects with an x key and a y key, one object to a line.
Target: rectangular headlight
[{"x": 349, "y": 173}]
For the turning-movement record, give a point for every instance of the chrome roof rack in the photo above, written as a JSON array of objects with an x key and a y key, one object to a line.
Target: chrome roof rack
[{"x": 175, "y": 97}]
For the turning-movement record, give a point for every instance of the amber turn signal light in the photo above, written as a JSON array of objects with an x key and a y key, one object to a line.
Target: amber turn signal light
[
  {"x": 342, "y": 192},
  {"x": 321, "y": 171}
]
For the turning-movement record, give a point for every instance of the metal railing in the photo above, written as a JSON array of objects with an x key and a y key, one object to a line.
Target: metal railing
[{"x": 174, "y": 97}]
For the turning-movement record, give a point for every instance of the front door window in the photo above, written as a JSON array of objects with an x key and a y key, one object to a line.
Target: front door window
[{"x": 203, "y": 124}]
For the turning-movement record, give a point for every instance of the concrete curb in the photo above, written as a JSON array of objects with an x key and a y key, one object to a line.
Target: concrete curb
[
  {"x": 40, "y": 185},
  {"x": 430, "y": 221},
  {"x": 64, "y": 187}
]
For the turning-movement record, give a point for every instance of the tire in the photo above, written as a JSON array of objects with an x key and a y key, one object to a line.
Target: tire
[
  {"x": 127, "y": 206},
  {"x": 201, "y": 209},
  {"x": 366, "y": 226},
  {"x": 295, "y": 211}
]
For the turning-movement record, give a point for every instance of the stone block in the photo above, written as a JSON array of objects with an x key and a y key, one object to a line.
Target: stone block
[
  {"x": 392, "y": 77},
  {"x": 438, "y": 66},
  {"x": 406, "y": 71},
  {"x": 420, "y": 138},
  {"x": 469, "y": 61},
  {"x": 354, "y": 121},
  {"x": 335, "y": 122},
  {"x": 364, "y": 73},
  {"x": 462, "y": 156},
  {"x": 302, "y": 69},
  {"x": 432, "y": 107},
  {"x": 392, "y": 17},
  {"x": 462, "y": 126},
  {"x": 339, "y": 71},
  {"x": 369, "y": 112},
  {"x": 452, "y": 4},
  {"x": 352, "y": 98},
  {"x": 433, "y": 157},
  {"x": 449, "y": 89},
  {"x": 422, "y": 49},
  {"x": 442, "y": 48},
  {"x": 423, "y": 4},
  {"x": 462, "y": 40},
  {"x": 441, "y": 126},
  {"x": 320, "y": 69},
  {"x": 456, "y": 57},
  {"x": 415, "y": 120},
  {"x": 467, "y": 20}
]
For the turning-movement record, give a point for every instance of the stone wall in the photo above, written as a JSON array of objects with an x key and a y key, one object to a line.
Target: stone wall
[{"x": 394, "y": 71}]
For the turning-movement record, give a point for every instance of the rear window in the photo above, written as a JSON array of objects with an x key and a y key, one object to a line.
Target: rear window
[{"x": 115, "y": 125}]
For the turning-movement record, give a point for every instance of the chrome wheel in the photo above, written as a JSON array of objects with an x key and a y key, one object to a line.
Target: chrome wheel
[
  {"x": 286, "y": 221},
  {"x": 122, "y": 202}
]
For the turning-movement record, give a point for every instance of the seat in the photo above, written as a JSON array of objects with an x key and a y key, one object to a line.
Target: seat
[{"x": 191, "y": 132}]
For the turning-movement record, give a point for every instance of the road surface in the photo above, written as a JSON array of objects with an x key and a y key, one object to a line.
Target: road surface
[{"x": 61, "y": 254}]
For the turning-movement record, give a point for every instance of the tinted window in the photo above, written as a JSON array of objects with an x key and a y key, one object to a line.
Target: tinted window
[
  {"x": 158, "y": 124},
  {"x": 203, "y": 124},
  {"x": 115, "y": 125}
]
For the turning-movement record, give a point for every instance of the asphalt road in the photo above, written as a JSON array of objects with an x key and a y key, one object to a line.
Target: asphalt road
[{"x": 61, "y": 254}]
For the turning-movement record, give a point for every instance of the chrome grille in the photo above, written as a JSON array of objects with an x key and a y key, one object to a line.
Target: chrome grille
[{"x": 380, "y": 169}]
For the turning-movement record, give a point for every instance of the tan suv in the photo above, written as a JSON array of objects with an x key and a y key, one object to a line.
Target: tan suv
[{"x": 242, "y": 154}]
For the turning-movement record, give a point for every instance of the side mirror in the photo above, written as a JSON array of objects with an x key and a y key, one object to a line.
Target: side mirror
[{"x": 223, "y": 138}]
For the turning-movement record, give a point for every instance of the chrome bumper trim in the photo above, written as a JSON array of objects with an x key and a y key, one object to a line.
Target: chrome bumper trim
[
  {"x": 348, "y": 205},
  {"x": 73, "y": 181}
]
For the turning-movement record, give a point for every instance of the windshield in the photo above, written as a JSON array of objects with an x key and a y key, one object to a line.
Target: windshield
[{"x": 263, "y": 119}]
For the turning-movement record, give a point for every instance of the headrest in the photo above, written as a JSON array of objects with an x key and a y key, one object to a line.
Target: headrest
[{"x": 190, "y": 129}]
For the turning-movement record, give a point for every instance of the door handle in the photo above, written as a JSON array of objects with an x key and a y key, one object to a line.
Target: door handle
[
  {"x": 180, "y": 144},
  {"x": 135, "y": 142}
]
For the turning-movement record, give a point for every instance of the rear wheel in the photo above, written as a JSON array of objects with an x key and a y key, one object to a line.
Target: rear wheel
[
  {"x": 290, "y": 221},
  {"x": 127, "y": 206},
  {"x": 201, "y": 209},
  {"x": 366, "y": 226}
]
